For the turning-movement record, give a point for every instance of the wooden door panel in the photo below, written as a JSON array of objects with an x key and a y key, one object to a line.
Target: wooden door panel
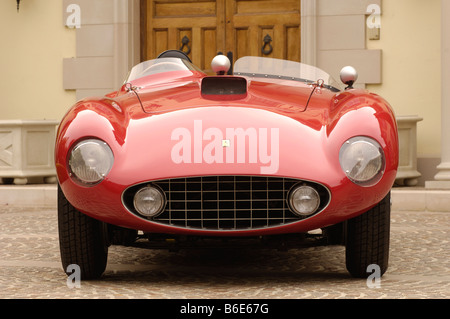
[
  {"x": 250, "y": 21},
  {"x": 185, "y": 8},
  {"x": 292, "y": 39},
  {"x": 239, "y": 26},
  {"x": 267, "y": 6},
  {"x": 167, "y": 22}
]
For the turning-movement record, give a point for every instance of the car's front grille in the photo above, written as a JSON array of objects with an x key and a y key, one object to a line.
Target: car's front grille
[{"x": 227, "y": 202}]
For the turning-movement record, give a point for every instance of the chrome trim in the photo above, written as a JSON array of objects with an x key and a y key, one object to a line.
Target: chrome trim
[
  {"x": 291, "y": 204},
  {"x": 163, "y": 194},
  {"x": 227, "y": 202}
]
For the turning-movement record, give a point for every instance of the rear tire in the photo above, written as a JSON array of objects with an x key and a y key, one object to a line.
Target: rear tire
[
  {"x": 82, "y": 240},
  {"x": 367, "y": 240}
]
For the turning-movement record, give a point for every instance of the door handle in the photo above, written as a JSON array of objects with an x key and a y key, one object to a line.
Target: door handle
[
  {"x": 267, "y": 40},
  {"x": 185, "y": 43}
]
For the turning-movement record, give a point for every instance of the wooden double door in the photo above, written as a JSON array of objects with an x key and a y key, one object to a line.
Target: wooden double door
[{"x": 202, "y": 28}]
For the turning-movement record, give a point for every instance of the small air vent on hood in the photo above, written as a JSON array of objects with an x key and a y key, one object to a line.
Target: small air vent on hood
[{"x": 224, "y": 85}]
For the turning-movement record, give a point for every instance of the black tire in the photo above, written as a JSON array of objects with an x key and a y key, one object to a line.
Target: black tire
[
  {"x": 335, "y": 234},
  {"x": 367, "y": 240},
  {"x": 82, "y": 240}
]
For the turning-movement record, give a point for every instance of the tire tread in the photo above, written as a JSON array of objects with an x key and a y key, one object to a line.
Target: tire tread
[
  {"x": 81, "y": 240},
  {"x": 367, "y": 241}
]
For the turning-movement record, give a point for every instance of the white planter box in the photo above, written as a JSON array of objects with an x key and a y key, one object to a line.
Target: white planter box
[
  {"x": 27, "y": 150},
  {"x": 407, "y": 174}
]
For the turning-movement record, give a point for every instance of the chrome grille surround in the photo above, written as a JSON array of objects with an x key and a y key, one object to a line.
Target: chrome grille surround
[{"x": 227, "y": 202}]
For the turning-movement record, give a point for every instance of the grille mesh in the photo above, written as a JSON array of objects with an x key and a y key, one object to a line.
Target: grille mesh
[{"x": 226, "y": 202}]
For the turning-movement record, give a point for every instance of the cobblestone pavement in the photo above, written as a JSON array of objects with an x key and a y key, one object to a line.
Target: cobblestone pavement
[{"x": 30, "y": 266}]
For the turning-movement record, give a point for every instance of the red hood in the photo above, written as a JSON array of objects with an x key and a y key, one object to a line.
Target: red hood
[{"x": 186, "y": 93}]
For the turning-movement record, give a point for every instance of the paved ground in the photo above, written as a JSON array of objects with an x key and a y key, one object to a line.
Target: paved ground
[{"x": 30, "y": 266}]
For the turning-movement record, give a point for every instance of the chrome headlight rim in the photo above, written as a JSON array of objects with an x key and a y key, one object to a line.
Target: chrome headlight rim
[
  {"x": 297, "y": 188},
  {"x": 373, "y": 154},
  {"x": 88, "y": 175},
  {"x": 161, "y": 206}
]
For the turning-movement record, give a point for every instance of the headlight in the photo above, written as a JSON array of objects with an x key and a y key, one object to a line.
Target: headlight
[
  {"x": 304, "y": 200},
  {"x": 149, "y": 201},
  {"x": 362, "y": 160},
  {"x": 91, "y": 160}
]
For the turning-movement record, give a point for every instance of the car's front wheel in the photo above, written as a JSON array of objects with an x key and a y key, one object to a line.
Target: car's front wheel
[
  {"x": 82, "y": 240},
  {"x": 367, "y": 240}
]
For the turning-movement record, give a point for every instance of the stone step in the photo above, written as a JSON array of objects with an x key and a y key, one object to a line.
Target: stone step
[{"x": 403, "y": 198}]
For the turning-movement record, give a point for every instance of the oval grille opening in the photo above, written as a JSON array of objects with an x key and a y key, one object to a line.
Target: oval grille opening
[{"x": 227, "y": 202}]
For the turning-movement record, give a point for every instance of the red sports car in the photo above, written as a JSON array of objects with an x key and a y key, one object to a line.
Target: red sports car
[{"x": 179, "y": 157}]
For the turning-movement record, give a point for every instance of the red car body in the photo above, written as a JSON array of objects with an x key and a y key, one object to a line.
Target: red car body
[{"x": 168, "y": 125}]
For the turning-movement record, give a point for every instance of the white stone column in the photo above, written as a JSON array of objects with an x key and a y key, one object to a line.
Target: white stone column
[
  {"x": 108, "y": 45},
  {"x": 126, "y": 41},
  {"x": 308, "y": 32},
  {"x": 442, "y": 178}
]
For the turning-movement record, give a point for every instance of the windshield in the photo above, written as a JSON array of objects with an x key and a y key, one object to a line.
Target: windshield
[
  {"x": 160, "y": 65},
  {"x": 283, "y": 69}
]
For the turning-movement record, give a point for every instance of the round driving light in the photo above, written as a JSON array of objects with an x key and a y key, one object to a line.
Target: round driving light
[
  {"x": 304, "y": 200},
  {"x": 149, "y": 201},
  {"x": 362, "y": 160},
  {"x": 91, "y": 160}
]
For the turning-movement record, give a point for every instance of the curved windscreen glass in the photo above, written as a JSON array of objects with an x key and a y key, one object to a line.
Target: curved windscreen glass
[
  {"x": 160, "y": 65},
  {"x": 283, "y": 69}
]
